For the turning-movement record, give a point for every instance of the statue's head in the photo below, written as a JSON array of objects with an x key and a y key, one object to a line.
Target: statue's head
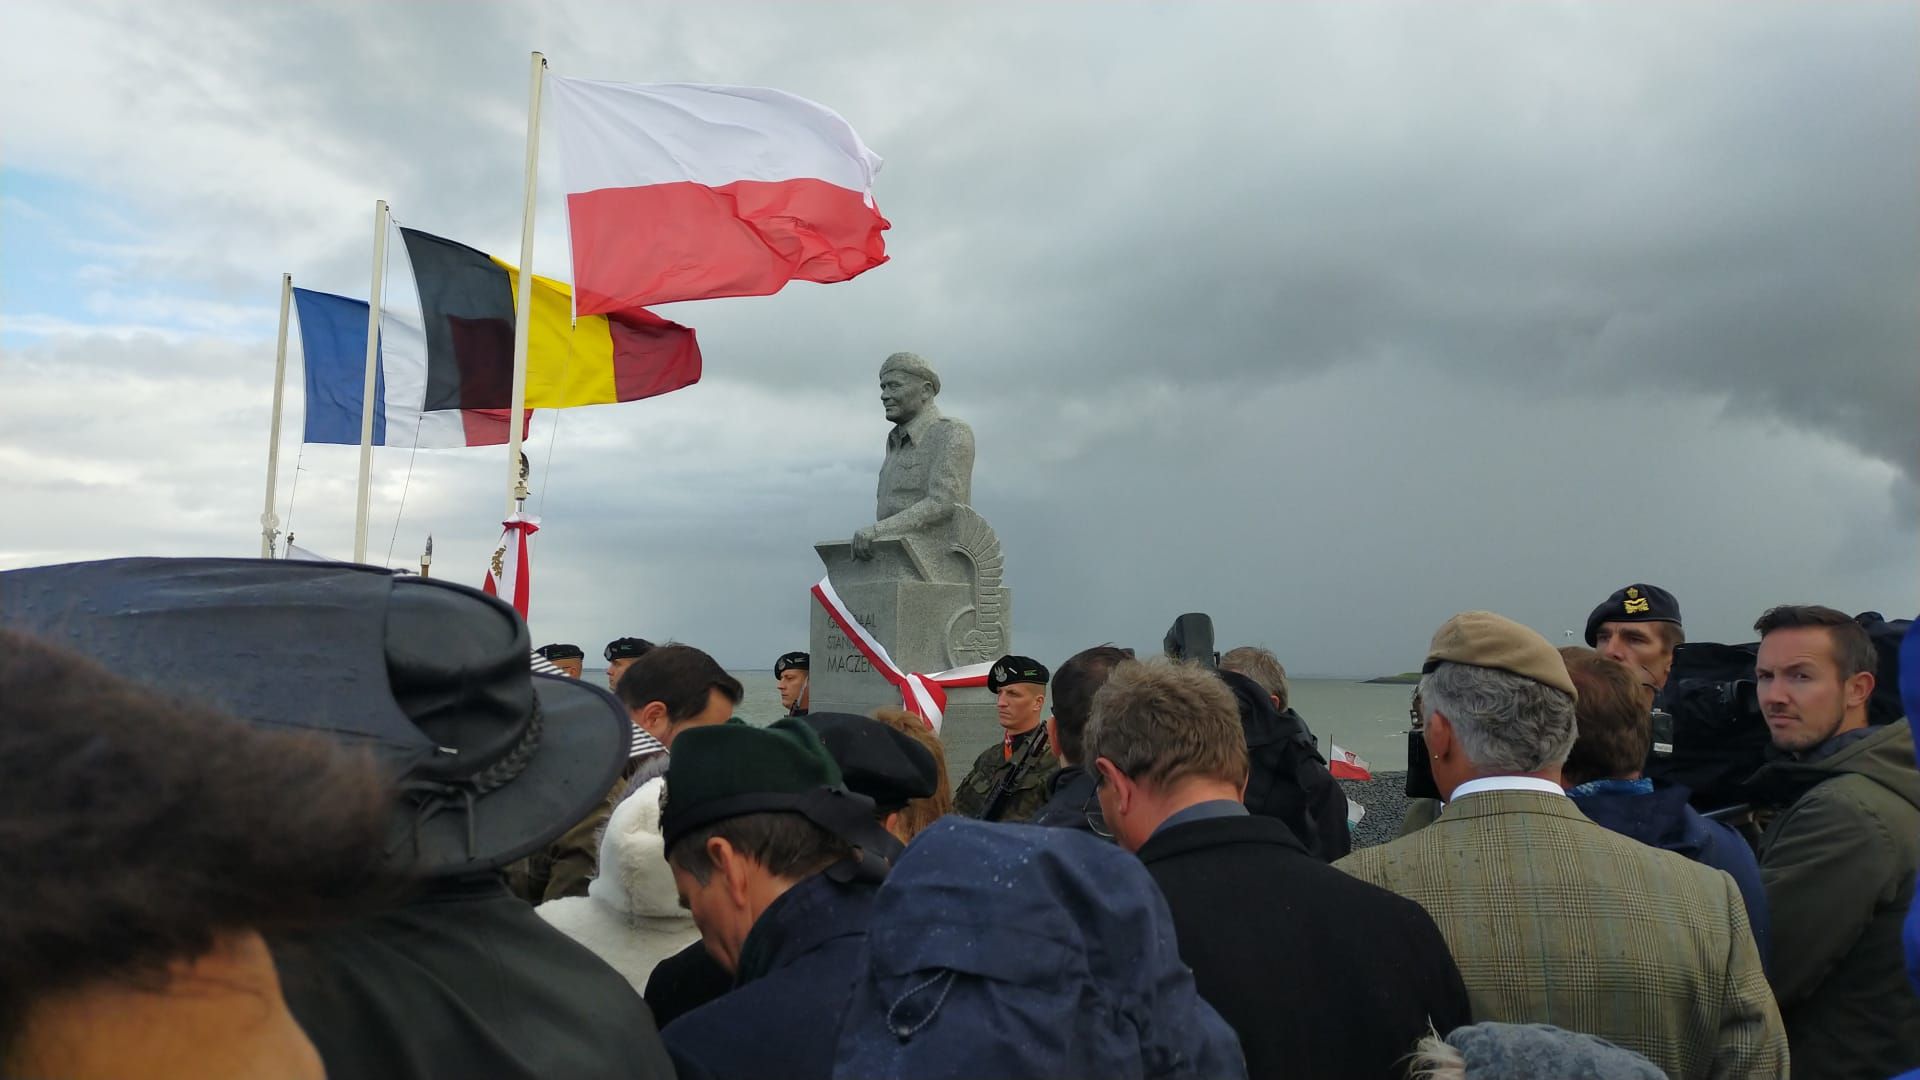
[{"x": 907, "y": 385}]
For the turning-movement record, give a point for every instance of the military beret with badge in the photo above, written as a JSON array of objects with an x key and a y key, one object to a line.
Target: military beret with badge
[
  {"x": 1635, "y": 603},
  {"x": 1012, "y": 669}
]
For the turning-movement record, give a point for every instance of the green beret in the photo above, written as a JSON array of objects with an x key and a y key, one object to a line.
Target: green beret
[{"x": 727, "y": 770}]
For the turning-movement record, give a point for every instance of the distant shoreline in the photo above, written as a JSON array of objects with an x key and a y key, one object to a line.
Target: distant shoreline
[{"x": 1405, "y": 678}]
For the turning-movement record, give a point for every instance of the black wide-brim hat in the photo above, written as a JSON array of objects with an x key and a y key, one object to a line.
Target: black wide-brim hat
[{"x": 490, "y": 761}]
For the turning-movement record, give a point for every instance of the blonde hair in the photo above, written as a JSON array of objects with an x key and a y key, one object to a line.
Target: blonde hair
[
  {"x": 1435, "y": 1059},
  {"x": 920, "y": 813}
]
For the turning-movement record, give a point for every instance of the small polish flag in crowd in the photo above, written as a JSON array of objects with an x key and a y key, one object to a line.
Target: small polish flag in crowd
[{"x": 1347, "y": 765}]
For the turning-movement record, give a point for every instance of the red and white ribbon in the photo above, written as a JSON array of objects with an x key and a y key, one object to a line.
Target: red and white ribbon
[
  {"x": 516, "y": 575},
  {"x": 925, "y": 696}
]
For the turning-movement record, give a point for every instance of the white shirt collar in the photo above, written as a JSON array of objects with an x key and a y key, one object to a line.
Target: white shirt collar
[{"x": 1507, "y": 783}]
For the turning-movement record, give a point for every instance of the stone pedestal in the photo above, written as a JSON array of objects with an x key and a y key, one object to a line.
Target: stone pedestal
[{"x": 924, "y": 622}]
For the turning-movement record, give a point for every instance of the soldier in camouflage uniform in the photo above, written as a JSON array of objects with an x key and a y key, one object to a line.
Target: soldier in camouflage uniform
[{"x": 1022, "y": 761}]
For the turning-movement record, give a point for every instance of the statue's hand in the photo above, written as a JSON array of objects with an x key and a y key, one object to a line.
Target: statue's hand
[{"x": 863, "y": 542}]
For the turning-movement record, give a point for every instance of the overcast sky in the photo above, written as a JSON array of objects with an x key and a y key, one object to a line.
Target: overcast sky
[{"x": 1329, "y": 321}]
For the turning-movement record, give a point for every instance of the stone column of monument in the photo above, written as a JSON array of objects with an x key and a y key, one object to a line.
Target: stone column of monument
[{"x": 926, "y": 577}]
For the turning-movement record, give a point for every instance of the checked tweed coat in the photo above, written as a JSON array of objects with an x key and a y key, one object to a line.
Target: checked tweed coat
[{"x": 1554, "y": 919}]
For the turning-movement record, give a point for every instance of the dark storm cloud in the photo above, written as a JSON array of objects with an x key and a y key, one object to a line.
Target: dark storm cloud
[{"x": 1328, "y": 320}]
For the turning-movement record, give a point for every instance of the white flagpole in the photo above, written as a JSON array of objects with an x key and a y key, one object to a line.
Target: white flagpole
[
  {"x": 368, "y": 386},
  {"x": 523, "y": 304},
  {"x": 269, "y": 523}
]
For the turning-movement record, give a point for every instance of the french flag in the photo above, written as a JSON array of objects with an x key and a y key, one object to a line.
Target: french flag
[
  {"x": 333, "y": 344},
  {"x": 1344, "y": 764},
  {"x": 678, "y": 191}
]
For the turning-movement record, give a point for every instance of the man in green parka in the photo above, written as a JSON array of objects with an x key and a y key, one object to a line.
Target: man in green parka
[{"x": 1838, "y": 860}]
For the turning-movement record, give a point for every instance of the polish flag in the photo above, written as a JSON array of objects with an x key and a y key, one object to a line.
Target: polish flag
[
  {"x": 1347, "y": 765},
  {"x": 678, "y": 191},
  {"x": 509, "y": 575}
]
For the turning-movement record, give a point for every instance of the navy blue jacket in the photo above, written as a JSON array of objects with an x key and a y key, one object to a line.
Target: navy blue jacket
[
  {"x": 795, "y": 980},
  {"x": 1663, "y": 819},
  {"x": 1069, "y": 795},
  {"x": 1019, "y": 951}
]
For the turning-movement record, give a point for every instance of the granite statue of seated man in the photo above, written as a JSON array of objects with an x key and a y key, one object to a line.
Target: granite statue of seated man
[{"x": 928, "y": 470}]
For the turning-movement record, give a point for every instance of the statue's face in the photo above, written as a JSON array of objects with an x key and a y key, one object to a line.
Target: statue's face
[{"x": 903, "y": 395}]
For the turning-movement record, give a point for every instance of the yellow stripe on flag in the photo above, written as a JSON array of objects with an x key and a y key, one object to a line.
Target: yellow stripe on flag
[{"x": 568, "y": 364}]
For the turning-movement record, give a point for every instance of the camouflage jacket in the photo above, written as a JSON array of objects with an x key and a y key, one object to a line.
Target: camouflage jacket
[{"x": 1029, "y": 792}]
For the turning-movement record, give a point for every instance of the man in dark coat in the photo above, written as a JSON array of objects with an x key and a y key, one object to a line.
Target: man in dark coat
[
  {"x": 1287, "y": 778},
  {"x": 886, "y": 765},
  {"x": 1319, "y": 974},
  {"x": 1070, "y": 803},
  {"x": 766, "y": 844}
]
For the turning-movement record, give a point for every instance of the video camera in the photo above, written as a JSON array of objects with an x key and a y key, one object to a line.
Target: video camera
[
  {"x": 1191, "y": 638},
  {"x": 1708, "y": 731}
]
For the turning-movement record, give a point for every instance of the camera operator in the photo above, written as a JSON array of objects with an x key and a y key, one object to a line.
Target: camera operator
[{"x": 1838, "y": 860}]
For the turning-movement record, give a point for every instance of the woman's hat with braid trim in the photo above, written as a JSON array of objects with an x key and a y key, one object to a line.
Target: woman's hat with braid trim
[{"x": 490, "y": 761}]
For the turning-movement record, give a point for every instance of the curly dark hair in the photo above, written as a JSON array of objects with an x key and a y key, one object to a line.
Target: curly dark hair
[{"x": 137, "y": 829}]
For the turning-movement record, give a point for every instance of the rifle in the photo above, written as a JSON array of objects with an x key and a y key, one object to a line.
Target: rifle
[{"x": 997, "y": 798}]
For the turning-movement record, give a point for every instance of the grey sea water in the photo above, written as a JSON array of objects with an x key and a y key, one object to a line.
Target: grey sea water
[{"x": 1366, "y": 718}]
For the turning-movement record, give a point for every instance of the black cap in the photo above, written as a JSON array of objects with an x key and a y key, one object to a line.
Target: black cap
[
  {"x": 627, "y": 648},
  {"x": 791, "y": 660},
  {"x": 561, "y": 652},
  {"x": 1016, "y": 669},
  {"x": 1635, "y": 603},
  {"x": 881, "y": 762}
]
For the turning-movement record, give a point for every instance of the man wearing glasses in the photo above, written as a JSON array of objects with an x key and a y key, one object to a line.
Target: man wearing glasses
[{"x": 1350, "y": 979}]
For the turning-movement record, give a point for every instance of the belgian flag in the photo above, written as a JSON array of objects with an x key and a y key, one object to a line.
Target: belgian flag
[{"x": 467, "y": 307}]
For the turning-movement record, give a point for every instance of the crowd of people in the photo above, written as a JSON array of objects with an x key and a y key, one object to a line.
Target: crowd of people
[{"x": 300, "y": 819}]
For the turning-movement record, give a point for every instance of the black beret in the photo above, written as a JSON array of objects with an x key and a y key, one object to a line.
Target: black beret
[
  {"x": 879, "y": 761},
  {"x": 791, "y": 660},
  {"x": 561, "y": 652},
  {"x": 1635, "y": 603},
  {"x": 627, "y": 648},
  {"x": 726, "y": 770},
  {"x": 1016, "y": 669}
]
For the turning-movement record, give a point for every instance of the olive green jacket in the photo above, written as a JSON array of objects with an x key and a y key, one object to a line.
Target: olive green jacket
[
  {"x": 1029, "y": 792},
  {"x": 1838, "y": 863}
]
